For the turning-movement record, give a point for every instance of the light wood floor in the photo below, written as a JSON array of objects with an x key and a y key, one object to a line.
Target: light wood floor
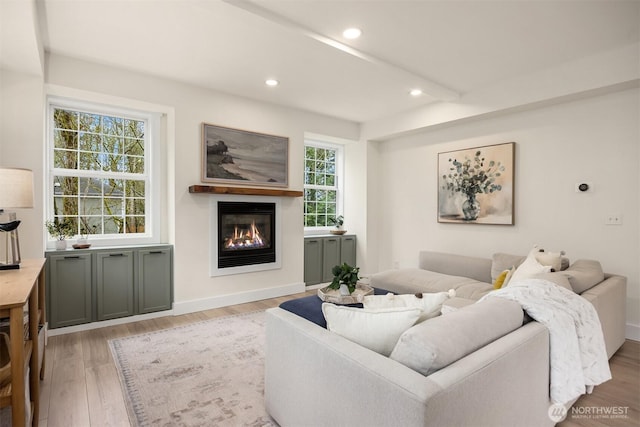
[{"x": 81, "y": 387}]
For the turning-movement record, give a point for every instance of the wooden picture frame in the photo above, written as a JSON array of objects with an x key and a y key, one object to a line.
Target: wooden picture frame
[
  {"x": 476, "y": 185},
  {"x": 240, "y": 157}
]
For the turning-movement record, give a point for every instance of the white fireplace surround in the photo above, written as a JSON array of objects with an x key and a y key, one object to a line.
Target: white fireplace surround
[{"x": 213, "y": 236}]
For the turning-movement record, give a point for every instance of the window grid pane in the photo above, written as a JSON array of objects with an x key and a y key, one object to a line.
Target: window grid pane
[
  {"x": 320, "y": 182},
  {"x": 99, "y": 181}
]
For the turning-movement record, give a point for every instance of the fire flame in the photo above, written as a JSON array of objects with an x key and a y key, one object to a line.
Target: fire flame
[{"x": 250, "y": 238}]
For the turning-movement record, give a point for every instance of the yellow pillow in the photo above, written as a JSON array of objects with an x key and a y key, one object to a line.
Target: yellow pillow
[
  {"x": 500, "y": 279},
  {"x": 503, "y": 278}
]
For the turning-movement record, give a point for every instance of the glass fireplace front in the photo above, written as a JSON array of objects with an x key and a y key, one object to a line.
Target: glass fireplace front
[{"x": 246, "y": 233}]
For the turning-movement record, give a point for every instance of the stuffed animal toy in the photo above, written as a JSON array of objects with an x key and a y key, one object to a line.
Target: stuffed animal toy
[
  {"x": 429, "y": 303},
  {"x": 552, "y": 259}
]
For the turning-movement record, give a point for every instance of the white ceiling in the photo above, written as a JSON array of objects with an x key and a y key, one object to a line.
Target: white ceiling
[{"x": 448, "y": 48}]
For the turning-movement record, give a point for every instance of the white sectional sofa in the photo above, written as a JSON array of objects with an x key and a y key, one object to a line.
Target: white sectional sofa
[{"x": 314, "y": 377}]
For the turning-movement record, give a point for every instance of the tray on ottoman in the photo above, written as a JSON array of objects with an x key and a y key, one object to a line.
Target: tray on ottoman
[{"x": 333, "y": 295}]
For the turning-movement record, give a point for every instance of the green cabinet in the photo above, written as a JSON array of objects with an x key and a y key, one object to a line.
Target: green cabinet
[
  {"x": 348, "y": 250},
  {"x": 114, "y": 284},
  {"x": 322, "y": 253},
  {"x": 312, "y": 260},
  {"x": 69, "y": 293},
  {"x": 155, "y": 292},
  {"x": 89, "y": 285},
  {"x": 330, "y": 256}
]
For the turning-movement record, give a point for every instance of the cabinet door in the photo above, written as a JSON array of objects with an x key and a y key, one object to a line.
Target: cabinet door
[
  {"x": 348, "y": 250},
  {"x": 155, "y": 280},
  {"x": 330, "y": 257},
  {"x": 312, "y": 261},
  {"x": 69, "y": 290},
  {"x": 114, "y": 284}
]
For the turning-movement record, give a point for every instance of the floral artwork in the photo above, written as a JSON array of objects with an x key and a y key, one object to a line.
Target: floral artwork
[{"x": 475, "y": 185}]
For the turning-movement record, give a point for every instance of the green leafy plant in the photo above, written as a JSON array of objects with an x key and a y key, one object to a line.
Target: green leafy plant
[
  {"x": 86, "y": 230},
  {"x": 344, "y": 274},
  {"x": 337, "y": 221},
  {"x": 471, "y": 177},
  {"x": 60, "y": 229}
]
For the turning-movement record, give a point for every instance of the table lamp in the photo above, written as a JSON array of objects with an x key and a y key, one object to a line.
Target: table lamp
[{"x": 16, "y": 191}]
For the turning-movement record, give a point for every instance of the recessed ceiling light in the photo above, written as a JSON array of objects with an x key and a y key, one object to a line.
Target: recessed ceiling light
[
  {"x": 271, "y": 82},
  {"x": 352, "y": 33},
  {"x": 415, "y": 92}
]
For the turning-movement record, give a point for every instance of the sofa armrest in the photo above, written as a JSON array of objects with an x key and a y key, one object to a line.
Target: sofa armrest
[
  {"x": 609, "y": 298},
  {"x": 315, "y": 377}
]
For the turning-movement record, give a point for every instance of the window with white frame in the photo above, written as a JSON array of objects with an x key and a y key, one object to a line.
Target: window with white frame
[
  {"x": 99, "y": 170},
  {"x": 322, "y": 184}
]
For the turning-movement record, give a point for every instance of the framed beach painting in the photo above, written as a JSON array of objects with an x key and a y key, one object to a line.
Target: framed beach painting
[
  {"x": 476, "y": 185},
  {"x": 234, "y": 156}
]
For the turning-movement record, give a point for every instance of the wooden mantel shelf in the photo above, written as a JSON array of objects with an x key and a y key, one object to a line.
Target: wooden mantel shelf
[{"x": 210, "y": 189}]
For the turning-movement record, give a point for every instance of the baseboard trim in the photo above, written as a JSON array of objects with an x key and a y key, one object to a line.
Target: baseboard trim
[
  {"x": 632, "y": 332},
  {"x": 107, "y": 323},
  {"x": 186, "y": 307},
  {"x": 192, "y": 306}
]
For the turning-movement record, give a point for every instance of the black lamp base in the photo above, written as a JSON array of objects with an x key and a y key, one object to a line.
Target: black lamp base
[{"x": 9, "y": 266}]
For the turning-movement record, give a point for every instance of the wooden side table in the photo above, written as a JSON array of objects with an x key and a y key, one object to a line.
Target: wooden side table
[{"x": 17, "y": 288}]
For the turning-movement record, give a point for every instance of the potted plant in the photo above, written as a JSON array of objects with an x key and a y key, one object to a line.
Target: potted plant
[
  {"x": 83, "y": 240},
  {"x": 345, "y": 278},
  {"x": 60, "y": 230},
  {"x": 337, "y": 221}
]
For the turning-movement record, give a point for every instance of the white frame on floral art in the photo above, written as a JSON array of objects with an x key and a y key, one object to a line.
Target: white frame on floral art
[{"x": 495, "y": 194}]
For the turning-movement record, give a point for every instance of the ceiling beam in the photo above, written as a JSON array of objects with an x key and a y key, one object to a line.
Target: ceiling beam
[{"x": 429, "y": 87}]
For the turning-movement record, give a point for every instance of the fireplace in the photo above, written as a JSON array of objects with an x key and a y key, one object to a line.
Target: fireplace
[{"x": 246, "y": 234}]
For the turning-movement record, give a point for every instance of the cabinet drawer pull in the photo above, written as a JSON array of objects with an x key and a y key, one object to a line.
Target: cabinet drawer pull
[
  {"x": 155, "y": 252},
  {"x": 117, "y": 255},
  {"x": 348, "y": 238},
  {"x": 312, "y": 241},
  {"x": 72, "y": 257}
]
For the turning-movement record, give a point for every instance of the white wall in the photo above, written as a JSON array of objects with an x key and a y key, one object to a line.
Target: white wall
[
  {"x": 21, "y": 133},
  {"x": 594, "y": 140},
  {"x": 190, "y": 212}
]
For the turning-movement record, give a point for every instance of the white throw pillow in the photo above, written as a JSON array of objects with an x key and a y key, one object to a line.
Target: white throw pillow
[
  {"x": 430, "y": 303},
  {"x": 377, "y": 330},
  {"x": 529, "y": 268}
]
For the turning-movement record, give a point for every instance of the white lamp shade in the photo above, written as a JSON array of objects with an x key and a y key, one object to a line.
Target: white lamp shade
[{"x": 16, "y": 188}]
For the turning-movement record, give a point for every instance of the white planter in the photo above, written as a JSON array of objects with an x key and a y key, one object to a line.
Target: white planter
[
  {"x": 344, "y": 290},
  {"x": 61, "y": 245}
]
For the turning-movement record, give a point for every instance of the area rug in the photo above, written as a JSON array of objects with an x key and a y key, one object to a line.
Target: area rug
[{"x": 208, "y": 373}]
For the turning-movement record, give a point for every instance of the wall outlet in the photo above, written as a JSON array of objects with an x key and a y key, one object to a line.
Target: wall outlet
[
  {"x": 613, "y": 219},
  {"x": 396, "y": 265}
]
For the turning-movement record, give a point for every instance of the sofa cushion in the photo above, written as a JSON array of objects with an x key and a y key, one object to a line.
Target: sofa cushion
[
  {"x": 438, "y": 342},
  {"x": 377, "y": 330},
  {"x": 412, "y": 280},
  {"x": 501, "y": 262},
  {"x": 559, "y": 279},
  {"x": 584, "y": 274},
  {"x": 457, "y": 265},
  {"x": 429, "y": 303}
]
